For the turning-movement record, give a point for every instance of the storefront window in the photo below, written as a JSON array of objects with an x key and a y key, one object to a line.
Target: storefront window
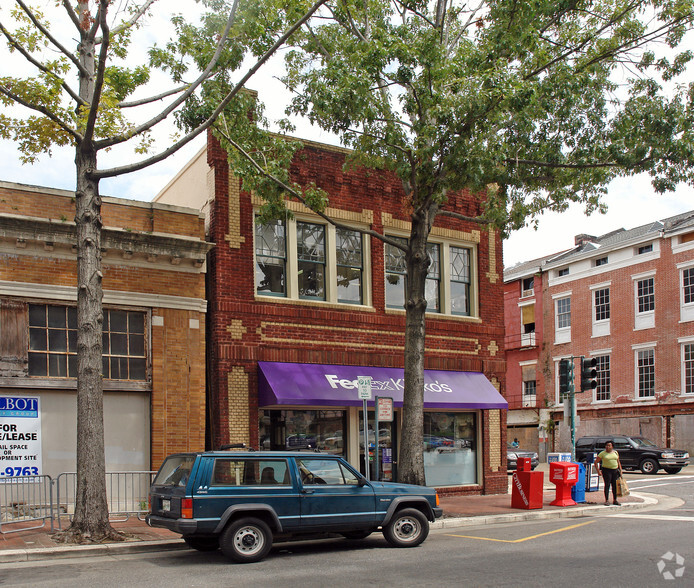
[
  {"x": 303, "y": 430},
  {"x": 450, "y": 448}
]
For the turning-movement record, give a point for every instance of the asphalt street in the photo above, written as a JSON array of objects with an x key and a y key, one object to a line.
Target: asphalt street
[{"x": 637, "y": 548}]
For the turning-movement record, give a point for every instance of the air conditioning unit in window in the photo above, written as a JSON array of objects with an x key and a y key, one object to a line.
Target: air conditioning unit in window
[{"x": 529, "y": 402}]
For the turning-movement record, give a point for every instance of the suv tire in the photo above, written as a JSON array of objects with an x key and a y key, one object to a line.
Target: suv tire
[
  {"x": 202, "y": 543},
  {"x": 673, "y": 470},
  {"x": 649, "y": 466},
  {"x": 246, "y": 540},
  {"x": 408, "y": 528}
]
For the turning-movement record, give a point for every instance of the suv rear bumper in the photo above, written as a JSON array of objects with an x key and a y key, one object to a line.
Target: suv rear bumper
[
  {"x": 182, "y": 526},
  {"x": 438, "y": 512}
]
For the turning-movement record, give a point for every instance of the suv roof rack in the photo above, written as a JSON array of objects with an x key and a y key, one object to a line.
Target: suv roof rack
[{"x": 235, "y": 446}]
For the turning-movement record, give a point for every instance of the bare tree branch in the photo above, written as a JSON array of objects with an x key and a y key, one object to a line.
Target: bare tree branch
[
  {"x": 109, "y": 173},
  {"x": 45, "y": 32},
  {"x": 40, "y": 66},
  {"x": 151, "y": 99},
  {"x": 100, "y": 71},
  {"x": 129, "y": 23}
]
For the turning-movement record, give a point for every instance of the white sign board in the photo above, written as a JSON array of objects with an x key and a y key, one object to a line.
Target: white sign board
[
  {"x": 364, "y": 386},
  {"x": 20, "y": 436},
  {"x": 385, "y": 409}
]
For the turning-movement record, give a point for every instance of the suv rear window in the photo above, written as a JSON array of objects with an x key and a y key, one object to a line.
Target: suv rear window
[
  {"x": 250, "y": 472},
  {"x": 175, "y": 471},
  {"x": 584, "y": 442}
]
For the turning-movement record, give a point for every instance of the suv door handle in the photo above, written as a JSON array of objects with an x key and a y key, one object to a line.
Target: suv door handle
[{"x": 307, "y": 491}]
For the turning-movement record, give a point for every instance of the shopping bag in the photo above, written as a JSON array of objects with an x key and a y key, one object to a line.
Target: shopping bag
[{"x": 622, "y": 487}]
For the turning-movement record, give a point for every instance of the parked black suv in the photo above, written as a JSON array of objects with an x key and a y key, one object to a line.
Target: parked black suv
[{"x": 635, "y": 453}]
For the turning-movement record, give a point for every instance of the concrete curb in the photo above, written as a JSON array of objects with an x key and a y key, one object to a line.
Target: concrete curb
[
  {"x": 130, "y": 547},
  {"x": 540, "y": 514}
]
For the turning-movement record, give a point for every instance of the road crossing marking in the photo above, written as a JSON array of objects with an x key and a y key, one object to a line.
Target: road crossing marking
[
  {"x": 656, "y": 485},
  {"x": 653, "y": 517},
  {"x": 524, "y": 538}
]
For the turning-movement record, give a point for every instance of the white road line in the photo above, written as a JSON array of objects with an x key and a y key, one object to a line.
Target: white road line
[
  {"x": 652, "y": 516},
  {"x": 631, "y": 484}
]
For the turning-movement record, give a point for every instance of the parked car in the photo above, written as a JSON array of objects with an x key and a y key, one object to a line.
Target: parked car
[
  {"x": 243, "y": 501},
  {"x": 514, "y": 453},
  {"x": 635, "y": 452}
]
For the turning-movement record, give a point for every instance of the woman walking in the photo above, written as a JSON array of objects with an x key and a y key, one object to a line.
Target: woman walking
[{"x": 608, "y": 463}]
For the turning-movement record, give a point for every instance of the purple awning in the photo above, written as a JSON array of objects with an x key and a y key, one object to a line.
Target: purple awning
[{"x": 306, "y": 384}]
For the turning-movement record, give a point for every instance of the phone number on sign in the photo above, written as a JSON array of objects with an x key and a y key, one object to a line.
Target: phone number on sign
[{"x": 25, "y": 471}]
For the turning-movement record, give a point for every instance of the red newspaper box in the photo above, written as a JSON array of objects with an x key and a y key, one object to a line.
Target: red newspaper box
[
  {"x": 563, "y": 475},
  {"x": 526, "y": 488}
]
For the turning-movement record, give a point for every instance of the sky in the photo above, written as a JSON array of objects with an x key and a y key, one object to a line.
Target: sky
[{"x": 631, "y": 201}]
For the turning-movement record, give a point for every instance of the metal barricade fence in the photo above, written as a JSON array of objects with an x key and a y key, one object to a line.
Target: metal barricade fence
[
  {"x": 25, "y": 499},
  {"x": 126, "y": 492}
]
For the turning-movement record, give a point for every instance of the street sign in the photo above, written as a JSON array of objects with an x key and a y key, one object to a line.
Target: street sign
[
  {"x": 384, "y": 405},
  {"x": 364, "y": 386}
]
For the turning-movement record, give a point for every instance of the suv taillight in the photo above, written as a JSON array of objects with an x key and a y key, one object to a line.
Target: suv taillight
[{"x": 187, "y": 508}]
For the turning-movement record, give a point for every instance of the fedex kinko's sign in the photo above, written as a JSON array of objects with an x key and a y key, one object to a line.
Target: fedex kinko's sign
[{"x": 336, "y": 385}]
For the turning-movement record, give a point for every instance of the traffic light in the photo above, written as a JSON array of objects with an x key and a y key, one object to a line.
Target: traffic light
[
  {"x": 566, "y": 368},
  {"x": 589, "y": 374}
]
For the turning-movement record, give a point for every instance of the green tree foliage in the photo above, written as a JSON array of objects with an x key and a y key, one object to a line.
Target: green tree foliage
[
  {"x": 529, "y": 104},
  {"x": 79, "y": 87}
]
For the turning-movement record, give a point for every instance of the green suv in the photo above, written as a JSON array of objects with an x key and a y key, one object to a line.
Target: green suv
[{"x": 242, "y": 501}]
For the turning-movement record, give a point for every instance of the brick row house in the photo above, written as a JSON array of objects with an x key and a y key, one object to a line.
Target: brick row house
[
  {"x": 299, "y": 310},
  {"x": 153, "y": 267},
  {"x": 625, "y": 298}
]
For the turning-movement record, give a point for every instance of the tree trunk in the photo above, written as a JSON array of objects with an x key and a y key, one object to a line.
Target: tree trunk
[{"x": 411, "y": 460}]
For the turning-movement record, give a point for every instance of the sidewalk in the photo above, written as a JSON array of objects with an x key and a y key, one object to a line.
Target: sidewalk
[{"x": 38, "y": 544}]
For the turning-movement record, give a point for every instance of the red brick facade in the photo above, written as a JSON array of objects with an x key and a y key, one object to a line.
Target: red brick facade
[{"x": 246, "y": 328}]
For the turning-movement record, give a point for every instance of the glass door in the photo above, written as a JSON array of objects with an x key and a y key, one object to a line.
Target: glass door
[{"x": 385, "y": 452}]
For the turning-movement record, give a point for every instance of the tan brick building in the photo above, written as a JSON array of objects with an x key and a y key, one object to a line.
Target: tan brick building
[{"x": 154, "y": 324}]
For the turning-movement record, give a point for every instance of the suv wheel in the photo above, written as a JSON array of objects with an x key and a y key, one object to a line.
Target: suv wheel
[
  {"x": 202, "y": 543},
  {"x": 246, "y": 540},
  {"x": 649, "y": 466},
  {"x": 673, "y": 470},
  {"x": 408, "y": 528}
]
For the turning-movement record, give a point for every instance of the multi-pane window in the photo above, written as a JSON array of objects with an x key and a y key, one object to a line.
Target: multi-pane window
[
  {"x": 124, "y": 345},
  {"x": 433, "y": 282},
  {"x": 396, "y": 274},
  {"x": 645, "y": 359},
  {"x": 600, "y": 261},
  {"x": 563, "y": 313},
  {"x": 688, "y": 285},
  {"x": 645, "y": 249},
  {"x": 310, "y": 243},
  {"x": 563, "y": 272},
  {"x": 602, "y": 392},
  {"x": 688, "y": 368},
  {"x": 350, "y": 270},
  {"x": 270, "y": 259},
  {"x": 460, "y": 280},
  {"x": 645, "y": 294},
  {"x": 602, "y": 304},
  {"x": 528, "y": 286},
  {"x": 529, "y": 388},
  {"x": 53, "y": 343}
]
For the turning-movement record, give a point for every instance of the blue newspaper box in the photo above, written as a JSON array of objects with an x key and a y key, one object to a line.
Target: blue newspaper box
[{"x": 578, "y": 490}]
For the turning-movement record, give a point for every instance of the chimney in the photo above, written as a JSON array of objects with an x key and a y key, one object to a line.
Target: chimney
[{"x": 582, "y": 239}]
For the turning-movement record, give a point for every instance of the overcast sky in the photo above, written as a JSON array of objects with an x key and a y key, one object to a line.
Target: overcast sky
[{"x": 631, "y": 202}]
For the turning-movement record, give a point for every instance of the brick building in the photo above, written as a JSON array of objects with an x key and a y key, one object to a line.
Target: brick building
[
  {"x": 626, "y": 299},
  {"x": 299, "y": 310},
  {"x": 154, "y": 325}
]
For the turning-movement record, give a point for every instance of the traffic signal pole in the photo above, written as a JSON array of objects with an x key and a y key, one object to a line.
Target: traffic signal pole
[{"x": 567, "y": 388}]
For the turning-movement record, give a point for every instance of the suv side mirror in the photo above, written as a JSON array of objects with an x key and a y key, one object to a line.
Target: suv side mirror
[{"x": 362, "y": 482}]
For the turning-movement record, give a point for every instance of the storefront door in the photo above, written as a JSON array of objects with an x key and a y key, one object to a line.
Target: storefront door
[{"x": 387, "y": 448}]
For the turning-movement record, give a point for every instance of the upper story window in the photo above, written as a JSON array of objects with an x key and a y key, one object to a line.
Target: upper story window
[
  {"x": 396, "y": 274},
  {"x": 645, "y": 249},
  {"x": 350, "y": 266},
  {"x": 271, "y": 259},
  {"x": 310, "y": 244},
  {"x": 688, "y": 368},
  {"x": 433, "y": 283},
  {"x": 562, "y": 325},
  {"x": 601, "y": 311},
  {"x": 686, "y": 294},
  {"x": 449, "y": 283},
  {"x": 528, "y": 286},
  {"x": 601, "y": 261},
  {"x": 563, "y": 272},
  {"x": 53, "y": 343},
  {"x": 304, "y": 260},
  {"x": 645, "y": 373},
  {"x": 602, "y": 392},
  {"x": 460, "y": 280},
  {"x": 644, "y": 303}
]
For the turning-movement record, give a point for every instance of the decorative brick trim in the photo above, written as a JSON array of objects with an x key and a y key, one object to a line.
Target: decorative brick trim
[
  {"x": 493, "y": 347},
  {"x": 365, "y": 217},
  {"x": 236, "y": 329},
  {"x": 391, "y": 223},
  {"x": 234, "y": 236},
  {"x": 492, "y": 273},
  {"x": 494, "y": 440},
  {"x": 238, "y": 405}
]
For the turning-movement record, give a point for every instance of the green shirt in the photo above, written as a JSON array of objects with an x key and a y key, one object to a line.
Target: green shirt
[{"x": 609, "y": 460}]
